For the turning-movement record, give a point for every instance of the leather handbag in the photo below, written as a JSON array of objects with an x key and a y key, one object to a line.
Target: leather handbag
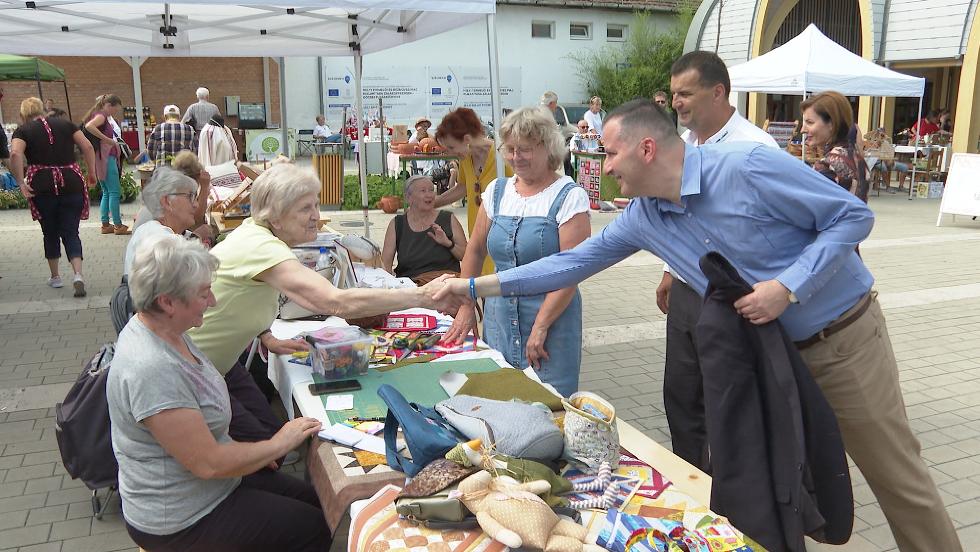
[
  {"x": 438, "y": 507},
  {"x": 427, "y": 434}
]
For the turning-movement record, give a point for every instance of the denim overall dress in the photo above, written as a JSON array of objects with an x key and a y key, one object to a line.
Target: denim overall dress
[{"x": 515, "y": 241}]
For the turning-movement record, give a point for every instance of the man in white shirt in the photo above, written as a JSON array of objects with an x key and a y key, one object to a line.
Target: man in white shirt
[
  {"x": 322, "y": 132},
  {"x": 700, "y": 86}
]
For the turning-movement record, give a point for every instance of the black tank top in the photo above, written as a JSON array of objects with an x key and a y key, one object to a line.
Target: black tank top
[{"x": 417, "y": 253}]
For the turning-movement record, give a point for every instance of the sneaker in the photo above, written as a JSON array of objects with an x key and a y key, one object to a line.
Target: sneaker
[
  {"x": 107, "y": 228},
  {"x": 79, "y": 286},
  {"x": 121, "y": 230},
  {"x": 55, "y": 282}
]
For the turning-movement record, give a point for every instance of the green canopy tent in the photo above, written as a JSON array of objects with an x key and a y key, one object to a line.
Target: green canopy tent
[{"x": 21, "y": 68}]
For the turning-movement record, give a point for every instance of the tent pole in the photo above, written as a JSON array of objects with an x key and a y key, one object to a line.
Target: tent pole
[
  {"x": 284, "y": 128},
  {"x": 915, "y": 150},
  {"x": 803, "y": 143},
  {"x": 359, "y": 120},
  {"x": 37, "y": 77},
  {"x": 495, "y": 107},
  {"x": 136, "y": 63},
  {"x": 67, "y": 99}
]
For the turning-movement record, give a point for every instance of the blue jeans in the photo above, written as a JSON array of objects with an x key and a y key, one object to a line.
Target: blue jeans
[
  {"x": 110, "y": 193},
  {"x": 332, "y": 139}
]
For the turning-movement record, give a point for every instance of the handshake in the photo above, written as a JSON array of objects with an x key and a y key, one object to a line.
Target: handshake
[{"x": 452, "y": 296}]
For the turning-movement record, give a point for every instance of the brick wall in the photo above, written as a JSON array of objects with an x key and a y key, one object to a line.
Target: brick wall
[{"x": 165, "y": 81}]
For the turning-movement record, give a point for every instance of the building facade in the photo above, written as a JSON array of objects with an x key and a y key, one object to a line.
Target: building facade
[{"x": 935, "y": 39}]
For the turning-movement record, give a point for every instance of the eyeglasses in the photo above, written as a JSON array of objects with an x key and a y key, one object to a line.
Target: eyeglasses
[
  {"x": 510, "y": 151},
  {"x": 661, "y": 102},
  {"x": 583, "y": 128},
  {"x": 191, "y": 196}
]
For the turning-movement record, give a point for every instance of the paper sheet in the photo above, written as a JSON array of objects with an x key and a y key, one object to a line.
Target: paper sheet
[
  {"x": 351, "y": 437},
  {"x": 339, "y": 402}
]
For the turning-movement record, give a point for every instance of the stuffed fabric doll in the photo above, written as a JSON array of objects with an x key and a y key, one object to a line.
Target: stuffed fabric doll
[{"x": 516, "y": 516}]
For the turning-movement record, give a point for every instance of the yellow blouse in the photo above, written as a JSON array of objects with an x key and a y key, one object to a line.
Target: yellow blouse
[{"x": 475, "y": 187}]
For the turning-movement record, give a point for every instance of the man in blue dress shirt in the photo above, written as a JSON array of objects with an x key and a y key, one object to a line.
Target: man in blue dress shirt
[{"x": 792, "y": 233}]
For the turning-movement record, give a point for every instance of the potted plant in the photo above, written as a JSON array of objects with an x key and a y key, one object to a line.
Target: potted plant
[{"x": 392, "y": 202}]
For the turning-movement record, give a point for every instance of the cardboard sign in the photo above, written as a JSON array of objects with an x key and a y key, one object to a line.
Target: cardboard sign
[{"x": 962, "y": 193}]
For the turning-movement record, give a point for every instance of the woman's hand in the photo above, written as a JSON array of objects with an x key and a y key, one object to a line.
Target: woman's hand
[
  {"x": 206, "y": 235},
  {"x": 463, "y": 324},
  {"x": 283, "y": 346},
  {"x": 295, "y": 432},
  {"x": 90, "y": 180},
  {"x": 439, "y": 236},
  {"x": 26, "y": 190},
  {"x": 535, "y": 351}
]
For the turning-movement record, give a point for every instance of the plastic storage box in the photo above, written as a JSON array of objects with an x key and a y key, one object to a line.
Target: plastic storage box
[{"x": 341, "y": 352}]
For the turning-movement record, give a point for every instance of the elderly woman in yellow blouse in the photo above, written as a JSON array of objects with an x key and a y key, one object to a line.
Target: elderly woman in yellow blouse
[
  {"x": 461, "y": 133},
  {"x": 257, "y": 266}
]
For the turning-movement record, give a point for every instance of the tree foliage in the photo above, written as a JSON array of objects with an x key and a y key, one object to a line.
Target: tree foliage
[{"x": 640, "y": 66}]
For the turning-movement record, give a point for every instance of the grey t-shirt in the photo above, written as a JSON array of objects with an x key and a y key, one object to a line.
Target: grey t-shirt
[
  {"x": 202, "y": 111},
  {"x": 147, "y": 376},
  {"x": 142, "y": 233}
]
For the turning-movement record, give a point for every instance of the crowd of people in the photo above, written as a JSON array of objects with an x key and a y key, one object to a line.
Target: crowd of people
[{"x": 197, "y": 442}]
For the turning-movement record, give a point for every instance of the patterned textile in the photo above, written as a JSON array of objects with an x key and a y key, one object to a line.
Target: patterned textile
[
  {"x": 377, "y": 528},
  {"x": 169, "y": 138}
]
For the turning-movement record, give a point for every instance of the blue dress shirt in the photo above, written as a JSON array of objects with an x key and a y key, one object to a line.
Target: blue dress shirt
[{"x": 769, "y": 214}]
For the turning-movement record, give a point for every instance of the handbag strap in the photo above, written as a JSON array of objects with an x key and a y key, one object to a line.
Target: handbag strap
[{"x": 394, "y": 400}]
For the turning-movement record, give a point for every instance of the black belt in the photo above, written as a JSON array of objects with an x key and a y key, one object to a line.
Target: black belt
[{"x": 837, "y": 325}]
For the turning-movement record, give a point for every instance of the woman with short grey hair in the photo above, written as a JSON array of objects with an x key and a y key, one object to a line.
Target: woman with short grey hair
[
  {"x": 533, "y": 214},
  {"x": 257, "y": 266},
  {"x": 428, "y": 242},
  {"x": 185, "y": 483}
]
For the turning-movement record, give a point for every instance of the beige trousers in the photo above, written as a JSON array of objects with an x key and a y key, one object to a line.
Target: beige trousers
[{"x": 857, "y": 371}]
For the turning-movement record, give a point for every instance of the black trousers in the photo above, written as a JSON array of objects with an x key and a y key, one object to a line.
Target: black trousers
[
  {"x": 268, "y": 511},
  {"x": 60, "y": 215},
  {"x": 683, "y": 386},
  {"x": 252, "y": 419}
]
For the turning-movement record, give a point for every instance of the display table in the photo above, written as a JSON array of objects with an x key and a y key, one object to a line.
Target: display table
[
  {"x": 402, "y": 161},
  {"x": 342, "y": 476},
  {"x": 588, "y": 169}
]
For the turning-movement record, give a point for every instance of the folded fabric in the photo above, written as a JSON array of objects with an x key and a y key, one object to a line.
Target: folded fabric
[
  {"x": 436, "y": 476},
  {"x": 508, "y": 384},
  {"x": 512, "y": 428}
]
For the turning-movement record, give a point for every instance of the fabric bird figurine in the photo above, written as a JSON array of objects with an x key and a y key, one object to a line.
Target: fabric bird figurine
[{"x": 514, "y": 515}]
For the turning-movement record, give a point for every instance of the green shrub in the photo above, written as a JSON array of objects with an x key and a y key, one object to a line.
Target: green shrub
[
  {"x": 12, "y": 199},
  {"x": 378, "y": 186},
  {"x": 129, "y": 190}
]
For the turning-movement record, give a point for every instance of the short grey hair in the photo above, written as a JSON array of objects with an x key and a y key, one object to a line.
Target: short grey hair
[
  {"x": 536, "y": 124},
  {"x": 165, "y": 182},
  {"x": 168, "y": 265},
  {"x": 410, "y": 182},
  {"x": 202, "y": 93},
  {"x": 548, "y": 97},
  {"x": 279, "y": 188}
]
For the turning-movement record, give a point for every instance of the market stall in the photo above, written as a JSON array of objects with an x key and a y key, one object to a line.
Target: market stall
[
  {"x": 241, "y": 28},
  {"x": 21, "y": 68},
  {"x": 811, "y": 62}
]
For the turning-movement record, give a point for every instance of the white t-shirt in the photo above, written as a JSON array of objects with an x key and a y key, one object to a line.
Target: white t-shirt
[
  {"x": 594, "y": 120},
  {"x": 538, "y": 205},
  {"x": 322, "y": 130},
  {"x": 737, "y": 129},
  {"x": 140, "y": 235}
]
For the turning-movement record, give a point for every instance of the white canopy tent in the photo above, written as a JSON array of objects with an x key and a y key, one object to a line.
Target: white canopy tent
[
  {"x": 139, "y": 29},
  {"x": 811, "y": 62}
]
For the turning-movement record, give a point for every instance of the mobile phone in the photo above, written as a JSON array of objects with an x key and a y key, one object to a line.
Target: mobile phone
[{"x": 338, "y": 386}]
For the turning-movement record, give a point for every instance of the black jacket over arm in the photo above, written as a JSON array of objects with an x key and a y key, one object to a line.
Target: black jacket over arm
[{"x": 778, "y": 465}]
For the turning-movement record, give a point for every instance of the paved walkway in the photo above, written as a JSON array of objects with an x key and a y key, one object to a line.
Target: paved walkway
[{"x": 929, "y": 279}]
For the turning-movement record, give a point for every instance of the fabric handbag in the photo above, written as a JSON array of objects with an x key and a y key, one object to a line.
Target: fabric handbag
[
  {"x": 427, "y": 434},
  {"x": 290, "y": 310},
  {"x": 513, "y": 428},
  {"x": 82, "y": 425},
  {"x": 443, "y": 506},
  {"x": 590, "y": 430}
]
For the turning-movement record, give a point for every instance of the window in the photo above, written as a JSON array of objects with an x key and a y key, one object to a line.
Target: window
[
  {"x": 580, "y": 31},
  {"x": 615, "y": 33},
  {"x": 542, "y": 29}
]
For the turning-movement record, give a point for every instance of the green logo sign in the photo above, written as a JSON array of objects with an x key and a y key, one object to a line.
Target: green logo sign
[{"x": 270, "y": 144}]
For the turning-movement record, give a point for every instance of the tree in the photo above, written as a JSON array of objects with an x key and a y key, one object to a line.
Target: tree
[{"x": 640, "y": 66}]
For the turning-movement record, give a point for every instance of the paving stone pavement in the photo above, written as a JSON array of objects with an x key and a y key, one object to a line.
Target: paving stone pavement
[{"x": 927, "y": 276}]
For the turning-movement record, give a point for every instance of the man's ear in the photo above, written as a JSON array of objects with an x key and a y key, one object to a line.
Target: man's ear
[
  {"x": 648, "y": 149},
  {"x": 718, "y": 92}
]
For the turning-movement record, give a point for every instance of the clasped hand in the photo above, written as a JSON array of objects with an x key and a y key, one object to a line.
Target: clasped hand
[{"x": 766, "y": 303}]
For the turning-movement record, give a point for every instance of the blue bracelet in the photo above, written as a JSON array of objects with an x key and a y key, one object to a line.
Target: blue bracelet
[{"x": 473, "y": 289}]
